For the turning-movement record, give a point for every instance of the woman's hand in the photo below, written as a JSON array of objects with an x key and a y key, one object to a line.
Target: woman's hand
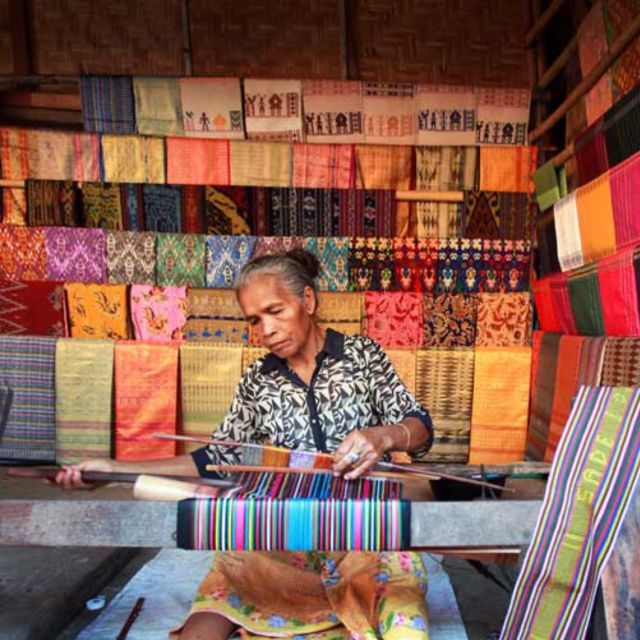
[
  {"x": 360, "y": 451},
  {"x": 70, "y": 476}
]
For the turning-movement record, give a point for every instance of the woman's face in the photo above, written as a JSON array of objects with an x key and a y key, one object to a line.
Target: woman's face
[{"x": 280, "y": 320}]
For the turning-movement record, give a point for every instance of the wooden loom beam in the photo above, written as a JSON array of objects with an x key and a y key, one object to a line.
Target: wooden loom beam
[
  {"x": 490, "y": 524},
  {"x": 621, "y": 43}
]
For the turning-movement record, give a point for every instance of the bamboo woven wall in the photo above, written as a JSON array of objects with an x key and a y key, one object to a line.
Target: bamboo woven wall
[
  {"x": 6, "y": 40},
  {"x": 263, "y": 38},
  {"x": 119, "y": 36},
  {"x": 479, "y": 42}
]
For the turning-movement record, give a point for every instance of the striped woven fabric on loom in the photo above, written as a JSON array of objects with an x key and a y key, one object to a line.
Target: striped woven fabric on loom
[
  {"x": 593, "y": 476},
  {"x": 294, "y": 525},
  {"x": 316, "y": 486}
]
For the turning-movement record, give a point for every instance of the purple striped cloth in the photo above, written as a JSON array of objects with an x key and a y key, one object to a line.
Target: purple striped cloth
[
  {"x": 108, "y": 104},
  {"x": 27, "y": 365},
  {"x": 593, "y": 476}
]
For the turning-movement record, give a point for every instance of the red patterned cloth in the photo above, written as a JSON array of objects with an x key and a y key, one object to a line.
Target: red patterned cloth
[
  {"x": 619, "y": 294},
  {"x": 324, "y": 166},
  {"x": 192, "y": 209},
  {"x": 394, "y": 319},
  {"x": 413, "y": 264},
  {"x": 32, "y": 308},
  {"x": 591, "y": 153},
  {"x": 22, "y": 253}
]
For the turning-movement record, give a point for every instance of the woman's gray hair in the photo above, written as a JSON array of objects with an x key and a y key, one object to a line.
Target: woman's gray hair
[{"x": 297, "y": 269}]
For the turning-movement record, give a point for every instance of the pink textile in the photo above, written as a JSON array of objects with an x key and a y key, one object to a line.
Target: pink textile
[
  {"x": 394, "y": 319},
  {"x": 324, "y": 166},
  {"x": 625, "y": 196},
  {"x": 562, "y": 304},
  {"x": 619, "y": 295},
  {"x": 198, "y": 161},
  {"x": 158, "y": 313}
]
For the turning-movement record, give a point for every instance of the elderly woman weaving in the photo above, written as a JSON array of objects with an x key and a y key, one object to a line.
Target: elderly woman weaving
[{"x": 317, "y": 391}]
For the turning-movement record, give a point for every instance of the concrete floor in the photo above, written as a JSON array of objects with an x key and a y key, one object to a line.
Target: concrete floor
[{"x": 43, "y": 590}]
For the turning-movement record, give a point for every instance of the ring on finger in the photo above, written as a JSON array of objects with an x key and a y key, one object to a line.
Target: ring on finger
[{"x": 353, "y": 457}]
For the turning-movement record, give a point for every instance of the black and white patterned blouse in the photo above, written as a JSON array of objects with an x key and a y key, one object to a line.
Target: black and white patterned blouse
[{"x": 354, "y": 386}]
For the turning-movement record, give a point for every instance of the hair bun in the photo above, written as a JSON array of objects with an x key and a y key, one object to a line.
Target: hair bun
[{"x": 307, "y": 260}]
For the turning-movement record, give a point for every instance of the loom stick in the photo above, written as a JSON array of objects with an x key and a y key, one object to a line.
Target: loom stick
[
  {"x": 402, "y": 470},
  {"x": 135, "y": 612},
  {"x": 248, "y": 468},
  {"x": 107, "y": 476},
  {"x": 390, "y": 475}
]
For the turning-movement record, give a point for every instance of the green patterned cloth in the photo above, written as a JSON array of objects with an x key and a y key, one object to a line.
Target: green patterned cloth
[
  {"x": 180, "y": 259},
  {"x": 584, "y": 294}
]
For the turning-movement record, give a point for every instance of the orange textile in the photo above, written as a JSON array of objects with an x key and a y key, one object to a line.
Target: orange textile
[
  {"x": 566, "y": 386},
  {"x": 97, "y": 310},
  {"x": 504, "y": 168},
  {"x": 317, "y": 595},
  {"x": 500, "y": 404},
  {"x": 595, "y": 217},
  {"x": 146, "y": 379},
  {"x": 198, "y": 161},
  {"x": 384, "y": 166}
]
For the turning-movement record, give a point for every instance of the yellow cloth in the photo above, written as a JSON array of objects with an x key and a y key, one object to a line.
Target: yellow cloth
[
  {"x": 595, "y": 218},
  {"x": 133, "y": 159},
  {"x": 260, "y": 164},
  {"x": 84, "y": 398},
  {"x": 97, "y": 310},
  {"x": 404, "y": 362},
  {"x": 209, "y": 374},
  {"x": 251, "y": 354},
  {"x": 328, "y": 596},
  {"x": 341, "y": 311},
  {"x": 500, "y": 404}
]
